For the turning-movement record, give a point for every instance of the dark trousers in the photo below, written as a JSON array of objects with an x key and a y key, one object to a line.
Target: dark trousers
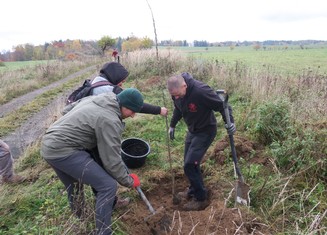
[
  {"x": 78, "y": 169},
  {"x": 196, "y": 146}
]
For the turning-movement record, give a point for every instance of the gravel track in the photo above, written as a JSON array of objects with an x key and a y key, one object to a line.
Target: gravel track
[{"x": 33, "y": 128}]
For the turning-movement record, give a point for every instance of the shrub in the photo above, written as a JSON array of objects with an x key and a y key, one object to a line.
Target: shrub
[
  {"x": 295, "y": 152},
  {"x": 273, "y": 121},
  {"x": 300, "y": 150}
]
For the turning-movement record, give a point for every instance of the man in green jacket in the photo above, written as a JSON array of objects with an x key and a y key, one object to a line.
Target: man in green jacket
[{"x": 95, "y": 121}]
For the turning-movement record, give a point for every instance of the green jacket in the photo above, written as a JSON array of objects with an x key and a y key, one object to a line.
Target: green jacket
[{"x": 94, "y": 121}]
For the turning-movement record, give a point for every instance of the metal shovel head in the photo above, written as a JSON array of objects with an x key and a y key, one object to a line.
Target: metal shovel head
[
  {"x": 242, "y": 193},
  {"x": 159, "y": 222}
]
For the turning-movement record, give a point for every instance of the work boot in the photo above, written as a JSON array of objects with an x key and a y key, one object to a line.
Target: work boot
[
  {"x": 195, "y": 205},
  {"x": 122, "y": 202},
  {"x": 185, "y": 195},
  {"x": 14, "y": 179},
  {"x": 209, "y": 194}
]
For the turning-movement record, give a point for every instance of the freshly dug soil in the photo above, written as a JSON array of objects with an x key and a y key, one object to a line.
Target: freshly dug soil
[{"x": 217, "y": 218}]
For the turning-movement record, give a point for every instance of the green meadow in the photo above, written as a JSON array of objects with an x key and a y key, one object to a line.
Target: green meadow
[
  {"x": 282, "y": 60},
  {"x": 14, "y": 65}
]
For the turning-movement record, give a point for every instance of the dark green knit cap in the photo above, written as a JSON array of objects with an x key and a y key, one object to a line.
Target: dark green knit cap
[{"x": 131, "y": 98}]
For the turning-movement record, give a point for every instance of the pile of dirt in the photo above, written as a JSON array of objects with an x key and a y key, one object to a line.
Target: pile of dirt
[
  {"x": 217, "y": 218},
  {"x": 246, "y": 149}
]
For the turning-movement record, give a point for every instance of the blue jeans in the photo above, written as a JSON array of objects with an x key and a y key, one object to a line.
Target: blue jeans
[
  {"x": 196, "y": 145},
  {"x": 78, "y": 169}
]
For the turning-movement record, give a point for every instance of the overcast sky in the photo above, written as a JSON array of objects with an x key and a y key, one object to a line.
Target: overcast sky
[{"x": 40, "y": 21}]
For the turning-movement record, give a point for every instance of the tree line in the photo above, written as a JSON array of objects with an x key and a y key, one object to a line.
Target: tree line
[{"x": 72, "y": 49}]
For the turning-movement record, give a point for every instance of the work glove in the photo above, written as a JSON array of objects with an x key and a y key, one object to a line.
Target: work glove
[
  {"x": 171, "y": 133},
  {"x": 136, "y": 179},
  {"x": 230, "y": 130}
]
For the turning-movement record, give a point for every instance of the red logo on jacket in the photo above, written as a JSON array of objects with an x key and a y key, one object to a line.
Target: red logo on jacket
[{"x": 192, "y": 108}]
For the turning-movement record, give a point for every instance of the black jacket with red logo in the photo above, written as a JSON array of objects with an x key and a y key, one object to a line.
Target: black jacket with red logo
[{"x": 197, "y": 106}]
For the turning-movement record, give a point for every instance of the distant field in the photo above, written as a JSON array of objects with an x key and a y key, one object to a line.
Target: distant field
[
  {"x": 279, "y": 60},
  {"x": 290, "y": 61},
  {"x": 20, "y": 64}
]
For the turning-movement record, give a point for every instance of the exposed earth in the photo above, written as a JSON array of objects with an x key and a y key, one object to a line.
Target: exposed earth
[
  {"x": 171, "y": 219},
  {"x": 218, "y": 218}
]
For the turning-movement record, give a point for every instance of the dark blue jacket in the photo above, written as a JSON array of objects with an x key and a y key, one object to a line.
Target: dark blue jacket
[{"x": 197, "y": 106}]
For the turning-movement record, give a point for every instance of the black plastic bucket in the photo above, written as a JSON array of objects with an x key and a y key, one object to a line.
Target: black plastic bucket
[{"x": 134, "y": 152}]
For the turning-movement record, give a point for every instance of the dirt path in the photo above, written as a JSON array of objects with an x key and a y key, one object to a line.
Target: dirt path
[{"x": 33, "y": 128}]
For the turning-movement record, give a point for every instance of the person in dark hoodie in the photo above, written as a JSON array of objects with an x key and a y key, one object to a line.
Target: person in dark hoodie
[
  {"x": 195, "y": 102},
  {"x": 117, "y": 74}
]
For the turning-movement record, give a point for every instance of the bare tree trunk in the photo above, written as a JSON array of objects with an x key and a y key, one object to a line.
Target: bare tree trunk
[{"x": 155, "y": 32}]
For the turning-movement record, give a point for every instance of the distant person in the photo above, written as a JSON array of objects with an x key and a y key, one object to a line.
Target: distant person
[
  {"x": 115, "y": 55},
  {"x": 195, "y": 102},
  {"x": 93, "y": 122},
  {"x": 7, "y": 166},
  {"x": 111, "y": 78},
  {"x": 117, "y": 74}
]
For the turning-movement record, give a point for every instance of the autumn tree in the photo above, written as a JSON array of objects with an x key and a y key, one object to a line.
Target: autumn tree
[
  {"x": 134, "y": 43},
  {"x": 256, "y": 46},
  {"x": 105, "y": 43},
  {"x": 77, "y": 46},
  {"x": 146, "y": 43},
  {"x": 19, "y": 53},
  {"x": 29, "y": 51},
  {"x": 50, "y": 52},
  {"x": 38, "y": 53}
]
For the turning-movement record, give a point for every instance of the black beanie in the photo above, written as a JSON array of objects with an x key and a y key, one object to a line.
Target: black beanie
[
  {"x": 131, "y": 98},
  {"x": 114, "y": 72}
]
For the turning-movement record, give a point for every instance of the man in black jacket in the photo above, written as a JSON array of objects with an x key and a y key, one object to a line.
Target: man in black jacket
[
  {"x": 117, "y": 74},
  {"x": 195, "y": 102}
]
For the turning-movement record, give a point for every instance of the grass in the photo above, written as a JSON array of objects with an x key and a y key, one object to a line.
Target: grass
[
  {"x": 40, "y": 203},
  {"x": 40, "y": 206},
  {"x": 290, "y": 200},
  {"x": 289, "y": 62},
  {"x": 10, "y": 66},
  {"x": 17, "y": 82}
]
